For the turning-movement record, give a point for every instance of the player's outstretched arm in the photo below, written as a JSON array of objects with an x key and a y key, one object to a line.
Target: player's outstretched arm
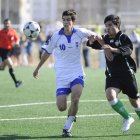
[
  {"x": 107, "y": 49},
  {"x": 44, "y": 57},
  {"x": 108, "y": 52},
  {"x": 100, "y": 40}
]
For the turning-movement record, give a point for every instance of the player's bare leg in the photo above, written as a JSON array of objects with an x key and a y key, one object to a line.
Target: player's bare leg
[
  {"x": 136, "y": 104},
  {"x": 75, "y": 96},
  {"x": 9, "y": 63},
  {"x": 2, "y": 66},
  {"x": 61, "y": 102}
]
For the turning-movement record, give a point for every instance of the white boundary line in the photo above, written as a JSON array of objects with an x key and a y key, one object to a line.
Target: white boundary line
[
  {"x": 60, "y": 117},
  {"x": 55, "y": 117},
  {"x": 49, "y": 103}
]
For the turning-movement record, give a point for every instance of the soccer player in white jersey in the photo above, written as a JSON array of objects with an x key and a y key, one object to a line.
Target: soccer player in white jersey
[{"x": 65, "y": 45}]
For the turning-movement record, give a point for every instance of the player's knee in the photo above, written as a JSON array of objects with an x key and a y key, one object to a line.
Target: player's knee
[
  {"x": 111, "y": 94},
  {"x": 62, "y": 108},
  {"x": 135, "y": 102}
]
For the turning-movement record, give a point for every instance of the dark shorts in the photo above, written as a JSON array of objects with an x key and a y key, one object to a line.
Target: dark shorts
[
  {"x": 16, "y": 51},
  {"x": 4, "y": 53},
  {"x": 127, "y": 84}
]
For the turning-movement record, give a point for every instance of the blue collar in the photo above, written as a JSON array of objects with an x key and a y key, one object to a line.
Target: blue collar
[{"x": 61, "y": 32}]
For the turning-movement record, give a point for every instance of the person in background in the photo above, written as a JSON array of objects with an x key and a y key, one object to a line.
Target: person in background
[
  {"x": 8, "y": 39},
  {"x": 28, "y": 50},
  {"x": 120, "y": 68},
  {"x": 137, "y": 49},
  {"x": 86, "y": 55},
  {"x": 40, "y": 40},
  {"x": 135, "y": 38},
  {"x": 65, "y": 44}
]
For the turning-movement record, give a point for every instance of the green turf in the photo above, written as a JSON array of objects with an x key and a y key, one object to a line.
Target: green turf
[{"x": 38, "y": 127}]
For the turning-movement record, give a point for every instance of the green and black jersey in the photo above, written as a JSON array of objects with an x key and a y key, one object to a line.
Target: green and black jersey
[{"x": 122, "y": 64}]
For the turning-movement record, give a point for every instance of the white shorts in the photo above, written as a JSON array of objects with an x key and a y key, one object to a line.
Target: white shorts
[{"x": 63, "y": 86}]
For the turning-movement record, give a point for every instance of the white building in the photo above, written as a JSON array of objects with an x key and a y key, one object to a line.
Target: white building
[
  {"x": 44, "y": 10},
  {"x": 88, "y": 11}
]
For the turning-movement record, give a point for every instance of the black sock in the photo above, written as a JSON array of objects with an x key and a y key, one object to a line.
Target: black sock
[{"x": 11, "y": 71}]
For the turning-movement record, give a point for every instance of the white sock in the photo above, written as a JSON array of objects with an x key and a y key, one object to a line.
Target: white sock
[
  {"x": 113, "y": 102},
  {"x": 137, "y": 109},
  {"x": 69, "y": 123}
]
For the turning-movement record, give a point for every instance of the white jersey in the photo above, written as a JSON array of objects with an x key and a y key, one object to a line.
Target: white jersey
[{"x": 67, "y": 52}]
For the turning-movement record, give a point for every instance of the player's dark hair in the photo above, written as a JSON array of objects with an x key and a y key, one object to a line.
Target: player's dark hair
[
  {"x": 7, "y": 19},
  {"x": 71, "y": 13},
  {"x": 115, "y": 20}
]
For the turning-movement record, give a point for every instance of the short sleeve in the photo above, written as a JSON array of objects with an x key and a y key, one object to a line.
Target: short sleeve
[
  {"x": 86, "y": 33},
  {"x": 50, "y": 44}
]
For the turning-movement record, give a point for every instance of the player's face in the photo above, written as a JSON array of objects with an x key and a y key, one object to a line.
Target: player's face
[
  {"x": 7, "y": 24},
  {"x": 67, "y": 22},
  {"x": 111, "y": 29}
]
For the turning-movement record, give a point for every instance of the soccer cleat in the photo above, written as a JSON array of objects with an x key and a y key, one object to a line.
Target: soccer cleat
[
  {"x": 18, "y": 83},
  {"x": 75, "y": 119},
  {"x": 127, "y": 123},
  {"x": 66, "y": 133}
]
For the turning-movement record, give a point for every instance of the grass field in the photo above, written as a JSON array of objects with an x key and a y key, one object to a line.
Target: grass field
[{"x": 30, "y": 113}]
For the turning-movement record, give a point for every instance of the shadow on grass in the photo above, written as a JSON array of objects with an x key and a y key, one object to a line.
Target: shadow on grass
[{"x": 16, "y": 137}]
